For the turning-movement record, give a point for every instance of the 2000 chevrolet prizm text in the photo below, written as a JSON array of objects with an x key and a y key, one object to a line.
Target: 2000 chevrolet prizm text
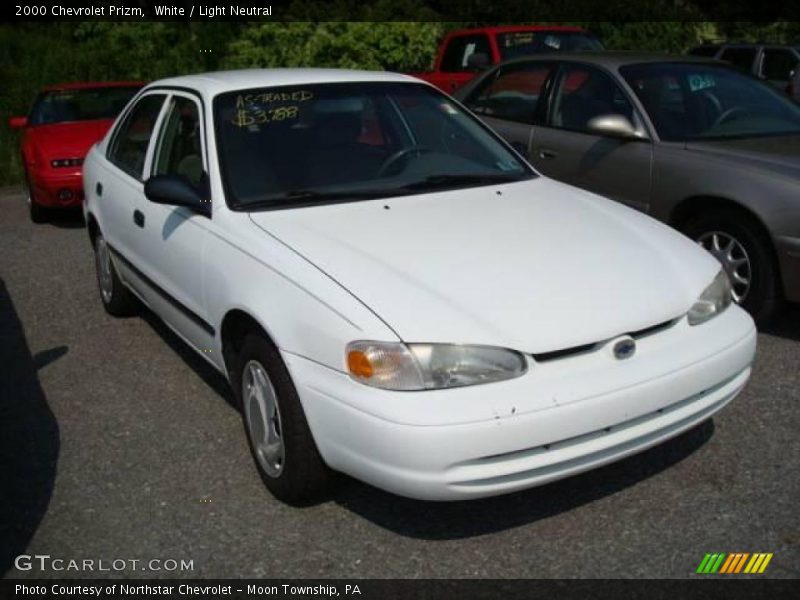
[{"x": 393, "y": 293}]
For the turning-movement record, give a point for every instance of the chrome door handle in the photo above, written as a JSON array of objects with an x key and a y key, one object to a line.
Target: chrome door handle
[{"x": 547, "y": 154}]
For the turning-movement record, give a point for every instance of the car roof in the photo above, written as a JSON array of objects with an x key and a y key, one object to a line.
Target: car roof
[
  {"x": 213, "y": 83},
  {"x": 613, "y": 60},
  {"x": 84, "y": 85},
  {"x": 516, "y": 28}
]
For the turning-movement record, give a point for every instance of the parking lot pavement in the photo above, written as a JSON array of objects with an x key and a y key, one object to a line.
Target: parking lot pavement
[{"x": 116, "y": 442}]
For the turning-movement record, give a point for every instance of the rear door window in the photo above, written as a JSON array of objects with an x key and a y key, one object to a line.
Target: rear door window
[
  {"x": 514, "y": 94},
  {"x": 132, "y": 138}
]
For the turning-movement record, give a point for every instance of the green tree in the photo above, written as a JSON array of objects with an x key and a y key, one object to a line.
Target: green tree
[{"x": 358, "y": 45}]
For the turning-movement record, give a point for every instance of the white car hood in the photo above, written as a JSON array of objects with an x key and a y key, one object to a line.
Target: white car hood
[{"x": 537, "y": 266}]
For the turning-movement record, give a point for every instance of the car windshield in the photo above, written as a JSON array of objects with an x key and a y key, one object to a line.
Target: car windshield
[
  {"x": 524, "y": 43},
  {"x": 289, "y": 146},
  {"x": 84, "y": 104},
  {"x": 696, "y": 101}
]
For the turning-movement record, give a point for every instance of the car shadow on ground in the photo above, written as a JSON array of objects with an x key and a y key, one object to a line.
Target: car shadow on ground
[
  {"x": 29, "y": 436},
  {"x": 65, "y": 218},
  {"x": 210, "y": 376},
  {"x": 454, "y": 520},
  {"x": 786, "y": 324},
  {"x": 464, "y": 519}
]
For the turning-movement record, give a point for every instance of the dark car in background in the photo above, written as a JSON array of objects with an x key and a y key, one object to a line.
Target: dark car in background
[
  {"x": 690, "y": 141},
  {"x": 771, "y": 62}
]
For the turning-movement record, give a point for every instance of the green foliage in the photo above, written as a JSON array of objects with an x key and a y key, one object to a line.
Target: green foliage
[
  {"x": 653, "y": 36},
  {"x": 33, "y": 55},
  {"x": 357, "y": 45}
]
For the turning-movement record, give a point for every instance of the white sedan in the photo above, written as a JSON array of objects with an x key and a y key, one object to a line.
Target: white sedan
[{"x": 393, "y": 293}]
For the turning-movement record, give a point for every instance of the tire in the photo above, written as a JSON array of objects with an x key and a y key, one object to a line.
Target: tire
[
  {"x": 762, "y": 296},
  {"x": 116, "y": 298},
  {"x": 294, "y": 472},
  {"x": 38, "y": 213}
]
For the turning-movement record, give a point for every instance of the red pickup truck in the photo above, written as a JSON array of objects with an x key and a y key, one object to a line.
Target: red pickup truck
[{"x": 462, "y": 54}]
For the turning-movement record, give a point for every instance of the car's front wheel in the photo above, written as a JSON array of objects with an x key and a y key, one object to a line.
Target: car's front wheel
[
  {"x": 117, "y": 299},
  {"x": 38, "y": 213},
  {"x": 745, "y": 253},
  {"x": 277, "y": 431}
]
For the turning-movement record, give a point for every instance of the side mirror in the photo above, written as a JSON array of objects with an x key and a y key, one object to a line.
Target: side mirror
[
  {"x": 478, "y": 61},
  {"x": 177, "y": 191},
  {"x": 17, "y": 122},
  {"x": 613, "y": 125}
]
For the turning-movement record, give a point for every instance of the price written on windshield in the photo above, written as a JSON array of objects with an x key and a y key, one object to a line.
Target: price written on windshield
[
  {"x": 254, "y": 109},
  {"x": 246, "y": 117}
]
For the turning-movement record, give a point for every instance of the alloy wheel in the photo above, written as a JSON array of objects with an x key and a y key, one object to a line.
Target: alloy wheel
[
  {"x": 263, "y": 418},
  {"x": 104, "y": 274},
  {"x": 734, "y": 260}
]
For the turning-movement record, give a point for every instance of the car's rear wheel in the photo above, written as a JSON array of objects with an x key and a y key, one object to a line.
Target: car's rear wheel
[
  {"x": 277, "y": 431},
  {"x": 117, "y": 299},
  {"x": 745, "y": 253}
]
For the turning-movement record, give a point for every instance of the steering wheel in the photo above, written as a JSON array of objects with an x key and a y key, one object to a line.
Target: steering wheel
[
  {"x": 402, "y": 153},
  {"x": 726, "y": 115}
]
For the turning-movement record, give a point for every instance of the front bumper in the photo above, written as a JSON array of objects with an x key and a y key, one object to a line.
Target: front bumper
[
  {"x": 47, "y": 188},
  {"x": 561, "y": 418}
]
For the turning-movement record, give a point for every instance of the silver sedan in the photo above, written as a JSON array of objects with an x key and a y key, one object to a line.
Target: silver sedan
[{"x": 692, "y": 142}]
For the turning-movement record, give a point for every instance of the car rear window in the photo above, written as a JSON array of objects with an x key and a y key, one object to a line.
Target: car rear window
[{"x": 524, "y": 43}]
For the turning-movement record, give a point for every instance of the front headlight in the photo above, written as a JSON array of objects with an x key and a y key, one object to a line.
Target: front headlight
[
  {"x": 407, "y": 367},
  {"x": 714, "y": 299}
]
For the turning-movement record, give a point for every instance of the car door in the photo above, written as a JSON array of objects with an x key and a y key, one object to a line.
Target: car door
[
  {"x": 510, "y": 100},
  {"x": 119, "y": 186},
  {"x": 174, "y": 237},
  {"x": 564, "y": 148}
]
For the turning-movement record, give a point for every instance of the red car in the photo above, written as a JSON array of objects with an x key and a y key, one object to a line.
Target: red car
[
  {"x": 64, "y": 123},
  {"x": 463, "y": 54}
]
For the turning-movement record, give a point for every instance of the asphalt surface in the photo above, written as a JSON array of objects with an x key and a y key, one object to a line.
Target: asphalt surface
[{"x": 117, "y": 442}]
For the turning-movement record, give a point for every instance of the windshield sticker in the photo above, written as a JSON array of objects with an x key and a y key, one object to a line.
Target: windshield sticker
[
  {"x": 508, "y": 165},
  {"x": 701, "y": 82},
  {"x": 552, "y": 41},
  {"x": 259, "y": 109},
  {"x": 518, "y": 39}
]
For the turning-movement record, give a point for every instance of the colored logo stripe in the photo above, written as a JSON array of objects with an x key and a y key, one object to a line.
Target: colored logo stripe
[
  {"x": 710, "y": 563},
  {"x": 734, "y": 562}
]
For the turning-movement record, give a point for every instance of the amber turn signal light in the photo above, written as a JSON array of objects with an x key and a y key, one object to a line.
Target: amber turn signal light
[{"x": 359, "y": 365}]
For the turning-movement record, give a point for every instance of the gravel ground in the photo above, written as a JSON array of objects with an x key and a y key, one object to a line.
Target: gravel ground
[{"x": 116, "y": 442}]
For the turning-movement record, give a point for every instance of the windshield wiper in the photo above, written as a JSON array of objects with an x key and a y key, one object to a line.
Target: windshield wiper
[
  {"x": 311, "y": 196},
  {"x": 445, "y": 180}
]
